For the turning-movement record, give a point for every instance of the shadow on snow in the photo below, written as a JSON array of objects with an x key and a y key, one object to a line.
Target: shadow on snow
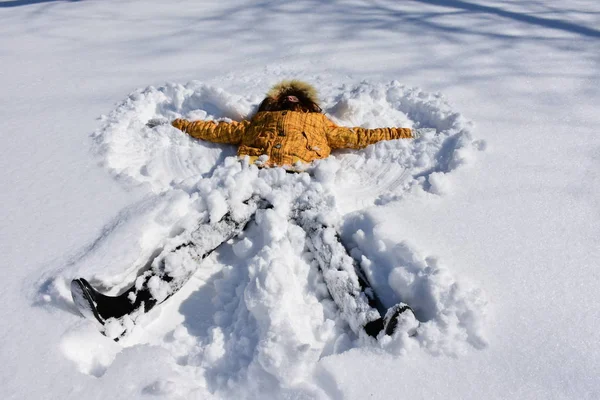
[{"x": 18, "y": 3}]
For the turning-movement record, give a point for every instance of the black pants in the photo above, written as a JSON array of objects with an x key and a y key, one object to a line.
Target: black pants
[{"x": 178, "y": 261}]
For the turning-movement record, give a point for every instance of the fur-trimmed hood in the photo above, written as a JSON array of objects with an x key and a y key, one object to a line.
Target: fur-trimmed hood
[{"x": 294, "y": 87}]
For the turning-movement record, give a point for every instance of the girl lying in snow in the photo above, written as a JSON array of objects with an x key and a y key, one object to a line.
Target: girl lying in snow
[{"x": 288, "y": 130}]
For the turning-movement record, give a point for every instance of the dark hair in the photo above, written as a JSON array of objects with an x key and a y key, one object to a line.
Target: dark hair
[{"x": 305, "y": 104}]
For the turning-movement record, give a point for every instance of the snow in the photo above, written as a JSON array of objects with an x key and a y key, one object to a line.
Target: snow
[{"x": 487, "y": 224}]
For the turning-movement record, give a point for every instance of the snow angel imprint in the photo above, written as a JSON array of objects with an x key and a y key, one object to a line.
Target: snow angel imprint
[{"x": 289, "y": 130}]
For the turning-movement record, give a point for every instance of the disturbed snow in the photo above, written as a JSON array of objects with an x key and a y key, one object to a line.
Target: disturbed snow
[{"x": 256, "y": 316}]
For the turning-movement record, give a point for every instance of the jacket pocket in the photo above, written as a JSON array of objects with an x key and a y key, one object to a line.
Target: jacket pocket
[
  {"x": 312, "y": 146},
  {"x": 251, "y": 151}
]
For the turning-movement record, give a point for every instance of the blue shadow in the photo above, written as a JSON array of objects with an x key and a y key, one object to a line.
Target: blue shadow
[{"x": 18, "y": 3}]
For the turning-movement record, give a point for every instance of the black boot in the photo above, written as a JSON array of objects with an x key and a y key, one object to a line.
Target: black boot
[
  {"x": 399, "y": 316},
  {"x": 93, "y": 303}
]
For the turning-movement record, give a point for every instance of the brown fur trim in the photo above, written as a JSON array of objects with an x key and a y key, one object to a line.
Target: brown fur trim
[
  {"x": 276, "y": 98},
  {"x": 294, "y": 87}
]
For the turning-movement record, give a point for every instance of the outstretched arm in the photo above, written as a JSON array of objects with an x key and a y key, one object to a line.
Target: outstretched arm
[
  {"x": 342, "y": 137},
  {"x": 217, "y": 132}
]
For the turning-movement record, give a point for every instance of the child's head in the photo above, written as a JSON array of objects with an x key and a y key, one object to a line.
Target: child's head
[{"x": 291, "y": 95}]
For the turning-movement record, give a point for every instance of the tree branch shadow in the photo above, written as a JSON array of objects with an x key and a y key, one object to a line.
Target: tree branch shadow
[
  {"x": 550, "y": 23},
  {"x": 19, "y": 3}
]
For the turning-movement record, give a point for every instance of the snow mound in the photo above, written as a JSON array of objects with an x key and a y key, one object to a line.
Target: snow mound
[
  {"x": 257, "y": 317},
  {"x": 451, "y": 312}
]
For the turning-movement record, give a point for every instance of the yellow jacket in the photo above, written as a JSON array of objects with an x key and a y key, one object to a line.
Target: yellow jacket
[{"x": 287, "y": 137}]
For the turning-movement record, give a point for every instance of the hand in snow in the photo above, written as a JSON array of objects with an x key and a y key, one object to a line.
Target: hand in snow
[
  {"x": 417, "y": 133},
  {"x": 156, "y": 122}
]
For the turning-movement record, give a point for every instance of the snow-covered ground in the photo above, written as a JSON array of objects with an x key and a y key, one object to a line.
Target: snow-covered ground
[{"x": 487, "y": 226}]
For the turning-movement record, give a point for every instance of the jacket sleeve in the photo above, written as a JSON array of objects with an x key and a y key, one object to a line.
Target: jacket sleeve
[
  {"x": 211, "y": 131},
  {"x": 342, "y": 137}
]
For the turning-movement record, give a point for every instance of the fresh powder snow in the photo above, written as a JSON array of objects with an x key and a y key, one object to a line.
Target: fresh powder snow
[{"x": 486, "y": 224}]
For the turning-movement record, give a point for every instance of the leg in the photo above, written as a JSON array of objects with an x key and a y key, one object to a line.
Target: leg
[
  {"x": 347, "y": 283},
  {"x": 357, "y": 305},
  {"x": 169, "y": 271}
]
